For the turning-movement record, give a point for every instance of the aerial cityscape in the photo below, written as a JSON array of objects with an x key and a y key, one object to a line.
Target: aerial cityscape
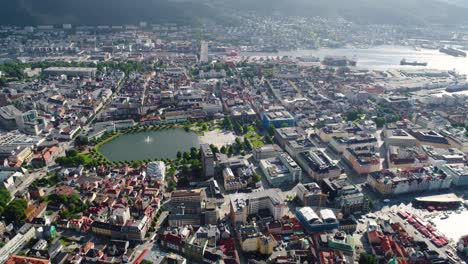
[{"x": 268, "y": 137}]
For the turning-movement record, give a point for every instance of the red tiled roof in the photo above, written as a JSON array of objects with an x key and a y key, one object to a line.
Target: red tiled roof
[
  {"x": 96, "y": 209},
  {"x": 65, "y": 190},
  {"x": 274, "y": 225},
  {"x": 386, "y": 244},
  {"x": 327, "y": 257},
  {"x": 231, "y": 261},
  {"x": 46, "y": 156},
  {"x": 26, "y": 260},
  {"x": 374, "y": 236},
  {"x": 89, "y": 245},
  {"x": 154, "y": 118},
  {"x": 149, "y": 210},
  {"x": 173, "y": 239},
  {"x": 229, "y": 244},
  {"x": 53, "y": 149}
]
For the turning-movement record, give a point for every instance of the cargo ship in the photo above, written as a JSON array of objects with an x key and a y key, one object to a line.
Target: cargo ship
[
  {"x": 412, "y": 63},
  {"x": 453, "y": 52},
  {"x": 338, "y": 61},
  {"x": 308, "y": 59},
  {"x": 458, "y": 87}
]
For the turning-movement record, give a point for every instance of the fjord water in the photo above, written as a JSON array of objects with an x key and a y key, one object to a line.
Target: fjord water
[{"x": 382, "y": 57}]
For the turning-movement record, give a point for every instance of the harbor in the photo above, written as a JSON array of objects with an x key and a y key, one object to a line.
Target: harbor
[
  {"x": 441, "y": 228},
  {"x": 452, "y": 224},
  {"x": 379, "y": 58}
]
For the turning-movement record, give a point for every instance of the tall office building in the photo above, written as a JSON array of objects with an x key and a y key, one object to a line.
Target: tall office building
[
  {"x": 207, "y": 160},
  {"x": 204, "y": 52}
]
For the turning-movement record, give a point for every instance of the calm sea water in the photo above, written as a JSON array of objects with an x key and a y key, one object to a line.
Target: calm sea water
[
  {"x": 383, "y": 57},
  {"x": 150, "y": 145}
]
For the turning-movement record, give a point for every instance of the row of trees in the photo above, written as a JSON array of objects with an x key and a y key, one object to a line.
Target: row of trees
[
  {"x": 46, "y": 182},
  {"x": 81, "y": 141},
  {"x": 12, "y": 70},
  {"x": 171, "y": 183},
  {"x": 240, "y": 147},
  {"x": 190, "y": 166},
  {"x": 227, "y": 123},
  {"x": 386, "y": 115},
  {"x": 13, "y": 211},
  {"x": 353, "y": 114},
  {"x": 368, "y": 259},
  {"x": 95, "y": 158},
  {"x": 73, "y": 205},
  {"x": 71, "y": 159},
  {"x": 235, "y": 125},
  {"x": 383, "y": 115},
  {"x": 145, "y": 128},
  {"x": 461, "y": 125},
  {"x": 152, "y": 227}
]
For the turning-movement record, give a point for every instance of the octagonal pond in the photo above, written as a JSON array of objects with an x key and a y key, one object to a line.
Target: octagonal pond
[{"x": 150, "y": 145}]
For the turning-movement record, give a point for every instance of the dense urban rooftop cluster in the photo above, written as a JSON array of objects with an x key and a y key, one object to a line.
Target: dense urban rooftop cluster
[{"x": 297, "y": 159}]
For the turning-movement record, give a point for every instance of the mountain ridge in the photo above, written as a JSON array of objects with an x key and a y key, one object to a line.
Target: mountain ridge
[
  {"x": 118, "y": 12},
  {"x": 461, "y": 3}
]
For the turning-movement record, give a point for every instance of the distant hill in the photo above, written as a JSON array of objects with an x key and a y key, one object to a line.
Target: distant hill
[
  {"x": 101, "y": 12},
  {"x": 363, "y": 11},
  {"x": 118, "y": 12},
  {"x": 462, "y": 3}
]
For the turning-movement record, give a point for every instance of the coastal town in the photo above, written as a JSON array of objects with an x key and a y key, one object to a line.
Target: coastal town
[{"x": 161, "y": 143}]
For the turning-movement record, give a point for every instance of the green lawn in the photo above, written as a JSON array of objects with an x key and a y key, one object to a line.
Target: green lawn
[
  {"x": 198, "y": 127},
  {"x": 257, "y": 143},
  {"x": 252, "y": 136},
  {"x": 255, "y": 138},
  {"x": 66, "y": 242},
  {"x": 87, "y": 158}
]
